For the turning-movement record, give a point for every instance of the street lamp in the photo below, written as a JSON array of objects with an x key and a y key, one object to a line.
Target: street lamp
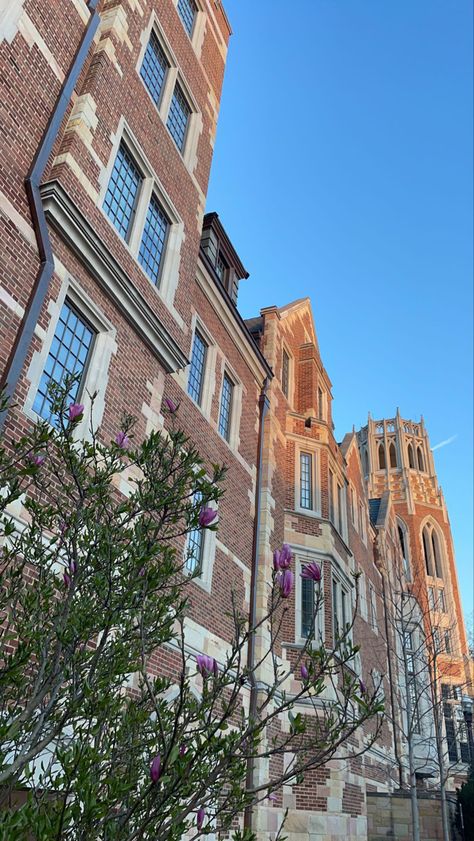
[{"x": 467, "y": 704}]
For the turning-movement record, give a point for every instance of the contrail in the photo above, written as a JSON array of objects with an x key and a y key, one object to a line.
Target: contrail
[{"x": 444, "y": 443}]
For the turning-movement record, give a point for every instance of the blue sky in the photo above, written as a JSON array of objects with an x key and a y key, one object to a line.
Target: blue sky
[{"x": 343, "y": 171}]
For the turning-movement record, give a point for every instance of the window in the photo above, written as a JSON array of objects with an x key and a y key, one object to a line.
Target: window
[
  {"x": 436, "y": 640},
  {"x": 68, "y": 355},
  {"x": 432, "y": 550},
  {"x": 195, "y": 548},
  {"x": 221, "y": 267},
  {"x": 411, "y": 460},
  {"x": 225, "y": 413},
  {"x": 285, "y": 373},
  {"x": 441, "y": 601},
  {"x": 153, "y": 240},
  {"x": 420, "y": 458},
  {"x": 373, "y": 608},
  {"x": 431, "y": 598},
  {"x": 340, "y": 509},
  {"x": 197, "y": 368},
  {"x": 306, "y": 481},
  {"x": 381, "y": 457},
  {"x": 447, "y": 642},
  {"x": 403, "y": 540},
  {"x": 341, "y": 608},
  {"x": 187, "y": 10},
  {"x": 365, "y": 461},
  {"x": 412, "y": 688},
  {"x": 331, "y": 497},
  {"x": 307, "y": 607},
  {"x": 154, "y": 69},
  {"x": 178, "y": 117},
  {"x": 122, "y": 193},
  {"x": 393, "y": 455},
  {"x": 353, "y": 505},
  {"x": 450, "y": 732}
]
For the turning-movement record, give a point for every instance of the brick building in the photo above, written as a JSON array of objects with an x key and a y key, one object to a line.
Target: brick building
[{"x": 110, "y": 268}]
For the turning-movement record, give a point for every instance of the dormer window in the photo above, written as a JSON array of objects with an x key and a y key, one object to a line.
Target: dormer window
[
  {"x": 221, "y": 268},
  {"x": 221, "y": 259}
]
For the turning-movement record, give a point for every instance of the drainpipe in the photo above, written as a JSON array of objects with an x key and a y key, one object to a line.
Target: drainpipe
[
  {"x": 21, "y": 344},
  {"x": 264, "y": 405}
]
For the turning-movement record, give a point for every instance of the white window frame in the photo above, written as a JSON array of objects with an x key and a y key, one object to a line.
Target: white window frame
[
  {"x": 342, "y": 585},
  {"x": 354, "y": 506},
  {"x": 174, "y": 76},
  {"x": 309, "y": 448},
  {"x": 338, "y": 485},
  {"x": 301, "y": 559},
  {"x": 150, "y": 185},
  {"x": 321, "y": 416},
  {"x": 197, "y": 35},
  {"x": 236, "y": 406},
  {"x": 363, "y": 595},
  {"x": 204, "y": 579},
  {"x": 97, "y": 371},
  {"x": 209, "y": 374}
]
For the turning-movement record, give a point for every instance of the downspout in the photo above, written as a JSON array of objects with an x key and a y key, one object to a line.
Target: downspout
[
  {"x": 24, "y": 336},
  {"x": 264, "y": 405}
]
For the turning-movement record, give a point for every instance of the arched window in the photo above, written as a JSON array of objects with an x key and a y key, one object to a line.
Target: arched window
[
  {"x": 366, "y": 461},
  {"x": 411, "y": 460},
  {"x": 381, "y": 457},
  {"x": 427, "y": 552},
  {"x": 432, "y": 551},
  {"x": 436, "y": 554},
  {"x": 403, "y": 538},
  {"x": 421, "y": 464},
  {"x": 393, "y": 455}
]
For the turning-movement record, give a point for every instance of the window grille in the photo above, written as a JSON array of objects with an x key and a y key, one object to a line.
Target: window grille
[{"x": 68, "y": 356}]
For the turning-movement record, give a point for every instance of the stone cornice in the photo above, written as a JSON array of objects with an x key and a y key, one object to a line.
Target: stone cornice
[{"x": 73, "y": 227}]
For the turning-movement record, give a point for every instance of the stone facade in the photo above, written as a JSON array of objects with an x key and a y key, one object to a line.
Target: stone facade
[{"x": 156, "y": 322}]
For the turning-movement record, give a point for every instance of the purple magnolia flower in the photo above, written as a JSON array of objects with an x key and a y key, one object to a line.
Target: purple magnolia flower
[
  {"x": 141, "y": 572},
  {"x": 182, "y": 750},
  {"x": 206, "y": 516},
  {"x": 286, "y": 581},
  {"x": 171, "y": 406},
  {"x": 155, "y": 769},
  {"x": 200, "y": 818},
  {"x": 304, "y": 672},
  {"x": 75, "y": 411},
  {"x": 282, "y": 558},
  {"x": 272, "y": 796},
  {"x": 312, "y": 571},
  {"x": 38, "y": 460},
  {"x": 362, "y": 687},
  {"x": 206, "y": 665},
  {"x": 73, "y": 567},
  {"x": 122, "y": 440},
  {"x": 67, "y": 580}
]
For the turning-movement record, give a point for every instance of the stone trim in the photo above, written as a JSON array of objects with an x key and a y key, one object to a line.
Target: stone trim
[{"x": 73, "y": 227}]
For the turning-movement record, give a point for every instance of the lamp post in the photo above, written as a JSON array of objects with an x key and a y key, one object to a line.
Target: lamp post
[{"x": 467, "y": 704}]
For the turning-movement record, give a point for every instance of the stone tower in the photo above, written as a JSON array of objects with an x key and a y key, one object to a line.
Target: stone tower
[{"x": 396, "y": 456}]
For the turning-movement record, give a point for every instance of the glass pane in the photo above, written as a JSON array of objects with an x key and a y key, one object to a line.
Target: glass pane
[
  {"x": 178, "y": 118},
  {"x": 153, "y": 69},
  {"x": 196, "y": 371},
  {"x": 306, "y": 489},
  {"x": 122, "y": 192}
]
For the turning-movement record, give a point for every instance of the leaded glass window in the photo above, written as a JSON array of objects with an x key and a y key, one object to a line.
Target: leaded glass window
[
  {"x": 196, "y": 371},
  {"x": 221, "y": 267},
  {"x": 226, "y": 407},
  {"x": 178, "y": 118},
  {"x": 153, "y": 239},
  {"x": 68, "y": 356},
  {"x": 195, "y": 547},
  {"x": 306, "y": 484},
  {"x": 307, "y": 607},
  {"x": 154, "y": 68},
  {"x": 187, "y": 11},
  {"x": 122, "y": 193}
]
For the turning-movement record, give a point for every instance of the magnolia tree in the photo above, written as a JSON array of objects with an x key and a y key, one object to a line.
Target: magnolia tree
[{"x": 96, "y": 741}]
